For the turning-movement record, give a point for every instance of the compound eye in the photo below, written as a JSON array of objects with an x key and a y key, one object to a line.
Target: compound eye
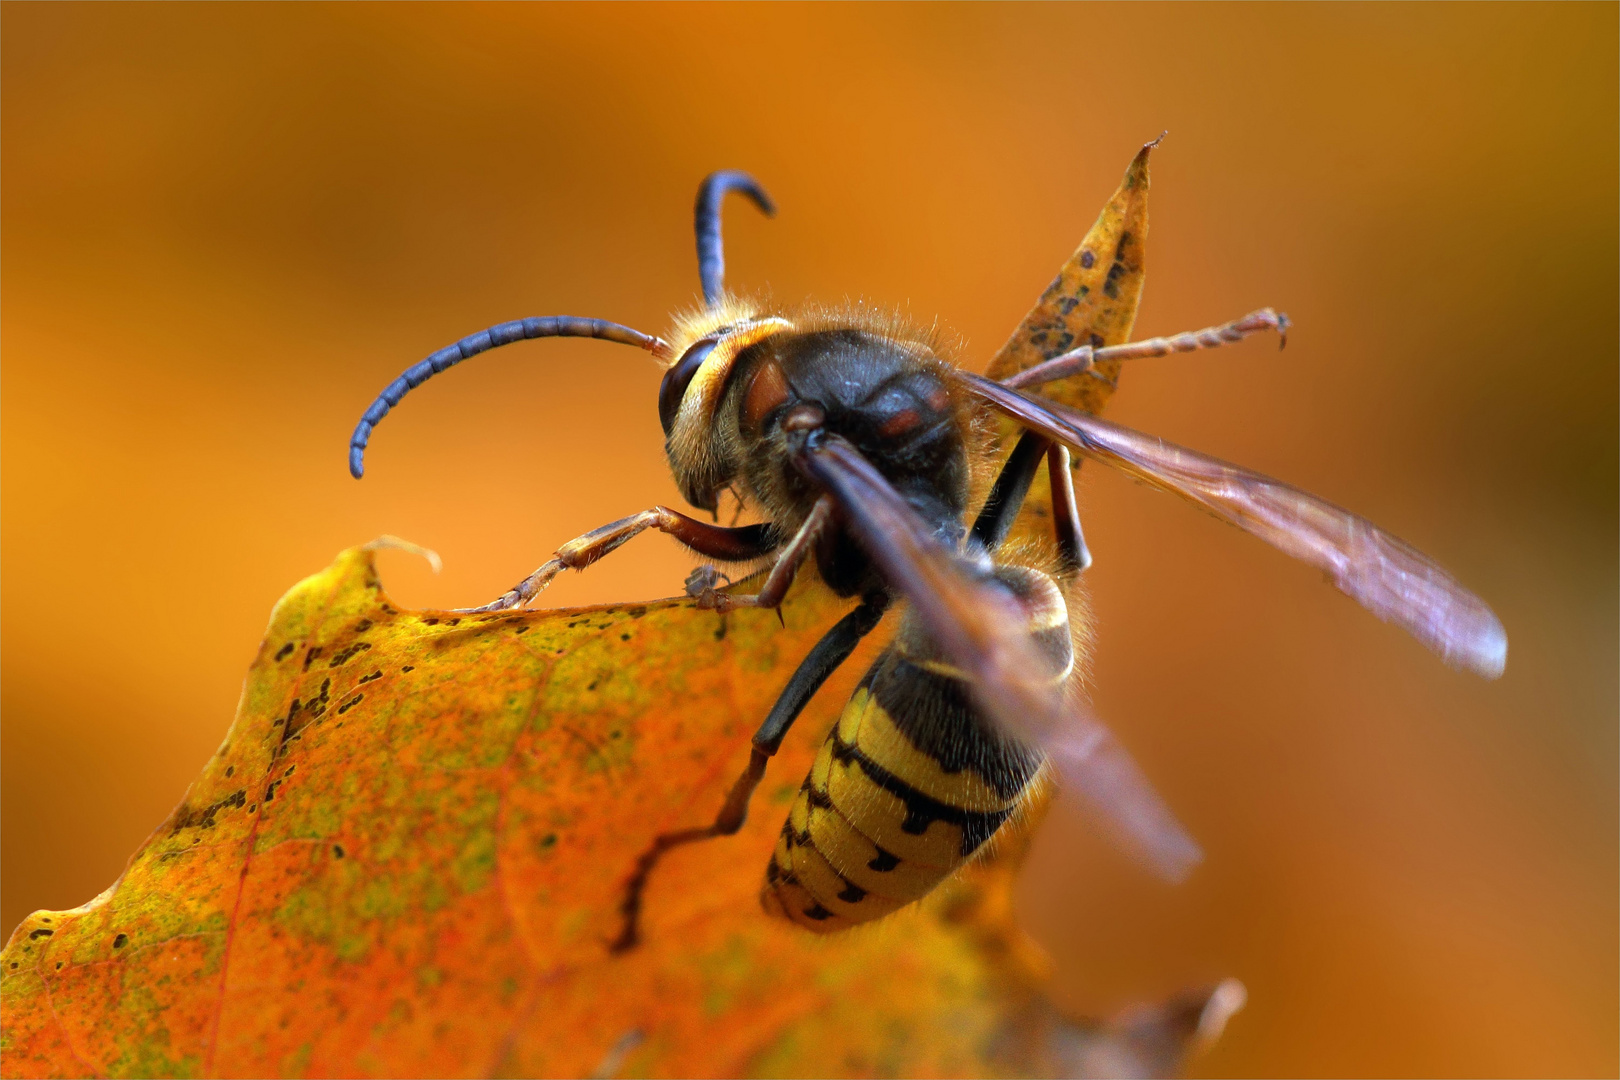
[{"x": 679, "y": 377}]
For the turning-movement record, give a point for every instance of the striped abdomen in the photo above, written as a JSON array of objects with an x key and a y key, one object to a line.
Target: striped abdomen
[{"x": 910, "y": 782}]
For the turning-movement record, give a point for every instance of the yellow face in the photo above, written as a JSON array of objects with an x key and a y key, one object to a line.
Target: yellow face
[{"x": 705, "y": 345}]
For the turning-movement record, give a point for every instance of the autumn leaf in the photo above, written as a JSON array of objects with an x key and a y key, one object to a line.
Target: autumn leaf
[{"x": 409, "y": 855}]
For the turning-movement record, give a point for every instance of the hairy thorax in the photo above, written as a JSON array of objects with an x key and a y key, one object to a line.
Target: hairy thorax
[{"x": 889, "y": 397}]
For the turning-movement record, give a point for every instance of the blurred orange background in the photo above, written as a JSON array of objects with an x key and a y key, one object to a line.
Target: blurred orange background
[{"x": 227, "y": 228}]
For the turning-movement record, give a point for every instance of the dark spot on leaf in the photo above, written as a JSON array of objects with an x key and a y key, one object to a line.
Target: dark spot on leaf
[
  {"x": 289, "y": 771},
  {"x": 41, "y": 932},
  {"x": 344, "y": 655},
  {"x": 1111, "y": 283},
  {"x": 1087, "y": 259},
  {"x": 452, "y": 622},
  {"x": 430, "y": 622},
  {"x": 285, "y": 651},
  {"x": 309, "y": 657},
  {"x": 59, "y": 965},
  {"x": 624, "y": 637},
  {"x": 203, "y": 817},
  {"x": 337, "y": 851},
  {"x": 1119, "y": 252},
  {"x": 1096, "y": 341},
  {"x": 1085, "y": 290},
  {"x": 548, "y": 841},
  {"x": 362, "y": 626},
  {"x": 408, "y": 667},
  {"x": 230, "y": 770},
  {"x": 720, "y": 632},
  {"x": 592, "y": 685},
  {"x": 252, "y": 807},
  {"x": 120, "y": 941},
  {"x": 638, "y": 612},
  {"x": 1067, "y": 304},
  {"x": 352, "y": 702},
  {"x": 521, "y": 630},
  {"x": 374, "y": 676}
]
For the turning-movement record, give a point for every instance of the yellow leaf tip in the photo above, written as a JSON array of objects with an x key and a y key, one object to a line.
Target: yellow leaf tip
[
  {"x": 1137, "y": 173},
  {"x": 399, "y": 544}
]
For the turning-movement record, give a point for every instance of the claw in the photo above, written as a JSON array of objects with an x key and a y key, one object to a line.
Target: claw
[
  {"x": 703, "y": 580},
  {"x": 527, "y": 589}
]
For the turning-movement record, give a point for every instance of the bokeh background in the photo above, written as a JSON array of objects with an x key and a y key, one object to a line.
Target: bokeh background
[{"x": 226, "y": 228}]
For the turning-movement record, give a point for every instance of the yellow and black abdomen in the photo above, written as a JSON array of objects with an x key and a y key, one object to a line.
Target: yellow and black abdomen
[{"x": 910, "y": 782}]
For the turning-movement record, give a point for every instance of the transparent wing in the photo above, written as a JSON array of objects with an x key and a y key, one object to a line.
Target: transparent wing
[
  {"x": 981, "y": 629},
  {"x": 1385, "y": 575}
]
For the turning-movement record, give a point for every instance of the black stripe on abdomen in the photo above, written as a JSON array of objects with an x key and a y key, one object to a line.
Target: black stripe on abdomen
[{"x": 921, "y": 810}]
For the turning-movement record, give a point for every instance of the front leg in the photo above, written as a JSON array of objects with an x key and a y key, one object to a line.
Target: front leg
[
  {"x": 715, "y": 541},
  {"x": 701, "y": 586}
]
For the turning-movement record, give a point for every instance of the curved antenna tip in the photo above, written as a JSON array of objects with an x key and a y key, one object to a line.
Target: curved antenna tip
[{"x": 357, "y": 462}]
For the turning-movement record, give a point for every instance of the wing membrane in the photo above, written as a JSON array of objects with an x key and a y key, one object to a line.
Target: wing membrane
[
  {"x": 981, "y": 630},
  {"x": 1387, "y": 576}
]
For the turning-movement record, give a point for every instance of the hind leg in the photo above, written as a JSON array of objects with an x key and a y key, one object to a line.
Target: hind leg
[{"x": 831, "y": 651}]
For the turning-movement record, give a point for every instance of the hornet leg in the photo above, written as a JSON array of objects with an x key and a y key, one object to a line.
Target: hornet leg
[
  {"x": 1006, "y": 498},
  {"x": 1071, "y": 541},
  {"x": 715, "y": 541},
  {"x": 787, "y": 564},
  {"x": 1000, "y": 510},
  {"x": 831, "y": 651}
]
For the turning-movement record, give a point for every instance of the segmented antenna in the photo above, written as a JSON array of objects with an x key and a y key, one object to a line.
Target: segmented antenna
[
  {"x": 483, "y": 341},
  {"x": 711, "y": 255}
]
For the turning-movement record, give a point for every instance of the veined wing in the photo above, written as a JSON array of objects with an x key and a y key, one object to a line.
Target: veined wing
[{"x": 1386, "y": 575}]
